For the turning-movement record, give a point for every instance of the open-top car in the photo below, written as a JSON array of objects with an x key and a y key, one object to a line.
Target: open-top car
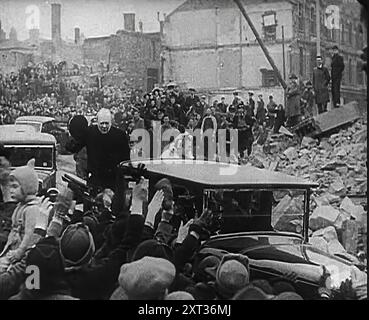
[
  {"x": 46, "y": 125},
  {"x": 24, "y": 143},
  {"x": 247, "y": 198}
]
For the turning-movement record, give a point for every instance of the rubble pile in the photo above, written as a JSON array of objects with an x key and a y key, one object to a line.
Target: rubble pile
[{"x": 338, "y": 221}]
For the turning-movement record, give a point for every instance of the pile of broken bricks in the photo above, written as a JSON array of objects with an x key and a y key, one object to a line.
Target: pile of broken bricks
[{"x": 338, "y": 222}]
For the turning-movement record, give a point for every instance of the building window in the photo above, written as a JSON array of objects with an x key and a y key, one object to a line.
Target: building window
[
  {"x": 359, "y": 37},
  {"x": 359, "y": 73},
  {"x": 301, "y": 17},
  {"x": 269, "y": 25},
  {"x": 342, "y": 33},
  {"x": 349, "y": 31},
  {"x": 313, "y": 21},
  {"x": 302, "y": 62},
  {"x": 153, "y": 49},
  {"x": 269, "y": 78}
]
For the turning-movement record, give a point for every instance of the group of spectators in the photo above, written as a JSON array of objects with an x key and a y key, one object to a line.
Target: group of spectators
[
  {"x": 115, "y": 251},
  {"x": 42, "y": 90},
  {"x": 302, "y": 99}
]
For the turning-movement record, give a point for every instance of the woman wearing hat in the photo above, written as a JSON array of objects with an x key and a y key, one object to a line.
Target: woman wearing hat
[{"x": 293, "y": 101}]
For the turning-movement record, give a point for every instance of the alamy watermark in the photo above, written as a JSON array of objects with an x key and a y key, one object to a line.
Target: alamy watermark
[
  {"x": 220, "y": 145},
  {"x": 32, "y": 17}
]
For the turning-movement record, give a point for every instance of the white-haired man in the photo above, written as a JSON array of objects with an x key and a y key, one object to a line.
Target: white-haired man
[{"x": 106, "y": 146}]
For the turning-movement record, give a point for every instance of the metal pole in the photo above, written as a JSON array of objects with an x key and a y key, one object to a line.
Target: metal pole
[
  {"x": 306, "y": 216},
  {"x": 260, "y": 41},
  {"x": 318, "y": 27},
  {"x": 284, "y": 57}
]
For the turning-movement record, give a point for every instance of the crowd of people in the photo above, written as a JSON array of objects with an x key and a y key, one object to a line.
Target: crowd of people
[
  {"x": 118, "y": 247},
  {"x": 42, "y": 90},
  {"x": 116, "y": 251}
]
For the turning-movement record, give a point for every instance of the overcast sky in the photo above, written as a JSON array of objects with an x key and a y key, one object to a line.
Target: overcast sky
[{"x": 94, "y": 17}]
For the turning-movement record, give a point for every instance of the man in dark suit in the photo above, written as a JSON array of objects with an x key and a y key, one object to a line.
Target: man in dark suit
[
  {"x": 336, "y": 74},
  {"x": 106, "y": 147},
  {"x": 321, "y": 79}
]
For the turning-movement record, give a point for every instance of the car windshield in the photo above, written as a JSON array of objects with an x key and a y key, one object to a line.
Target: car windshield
[
  {"x": 19, "y": 156},
  {"x": 258, "y": 210},
  {"x": 35, "y": 125}
]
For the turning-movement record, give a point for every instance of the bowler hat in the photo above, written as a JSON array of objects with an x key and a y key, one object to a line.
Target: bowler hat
[{"x": 293, "y": 76}]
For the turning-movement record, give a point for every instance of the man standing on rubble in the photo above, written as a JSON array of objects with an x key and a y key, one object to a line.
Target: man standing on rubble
[
  {"x": 293, "y": 102},
  {"x": 336, "y": 73},
  {"x": 321, "y": 79}
]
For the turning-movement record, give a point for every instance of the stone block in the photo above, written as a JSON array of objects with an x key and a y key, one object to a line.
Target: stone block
[
  {"x": 291, "y": 153},
  {"x": 322, "y": 217},
  {"x": 319, "y": 243},
  {"x": 307, "y": 142},
  {"x": 337, "y": 187},
  {"x": 287, "y": 210},
  {"x": 335, "y": 247},
  {"x": 350, "y": 231}
]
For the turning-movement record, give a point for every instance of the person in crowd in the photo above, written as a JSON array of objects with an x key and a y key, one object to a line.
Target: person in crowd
[
  {"x": 280, "y": 118},
  {"x": 307, "y": 100},
  {"x": 251, "y": 103},
  {"x": 293, "y": 111},
  {"x": 337, "y": 68},
  {"x": 106, "y": 147},
  {"x": 138, "y": 121},
  {"x": 260, "y": 111},
  {"x": 321, "y": 80},
  {"x": 244, "y": 124},
  {"x": 222, "y": 105},
  {"x": 23, "y": 184},
  {"x": 191, "y": 99},
  {"x": 7, "y": 203},
  {"x": 271, "y": 106}
]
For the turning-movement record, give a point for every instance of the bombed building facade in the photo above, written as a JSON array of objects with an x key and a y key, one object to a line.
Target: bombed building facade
[
  {"x": 225, "y": 55},
  {"x": 130, "y": 56}
]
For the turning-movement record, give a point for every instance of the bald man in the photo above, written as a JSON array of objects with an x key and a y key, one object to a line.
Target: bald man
[{"x": 106, "y": 147}]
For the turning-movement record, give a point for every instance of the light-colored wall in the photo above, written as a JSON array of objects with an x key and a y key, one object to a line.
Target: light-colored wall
[
  {"x": 203, "y": 46},
  {"x": 190, "y": 29},
  {"x": 253, "y": 59},
  {"x": 194, "y": 68}
]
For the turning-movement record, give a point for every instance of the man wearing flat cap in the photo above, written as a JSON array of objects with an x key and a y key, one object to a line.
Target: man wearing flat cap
[
  {"x": 336, "y": 74},
  {"x": 321, "y": 79}
]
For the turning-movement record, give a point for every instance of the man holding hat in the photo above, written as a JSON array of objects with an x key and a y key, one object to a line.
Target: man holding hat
[
  {"x": 321, "y": 79},
  {"x": 106, "y": 147},
  {"x": 336, "y": 73}
]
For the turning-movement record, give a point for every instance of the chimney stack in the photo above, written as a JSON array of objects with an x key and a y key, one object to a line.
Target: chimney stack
[
  {"x": 140, "y": 26},
  {"x": 77, "y": 35},
  {"x": 56, "y": 22},
  {"x": 129, "y": 22}
]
